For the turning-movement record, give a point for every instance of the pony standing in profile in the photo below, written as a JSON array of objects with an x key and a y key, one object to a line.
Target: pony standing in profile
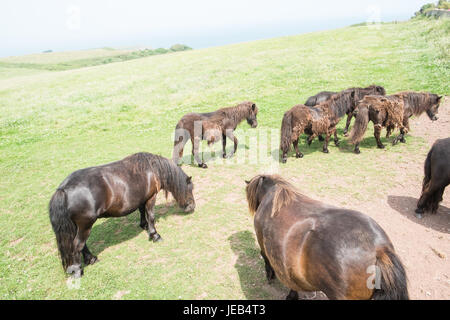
[
  {"x": 321, "y": 119},
  {"x": 391, "y": 112},
  {"x": 312, "y": 246},
  {"x": 359, "y": 94},
  {"x": 437, "y": 177},
  {"x": 112, "y": 190},
  {"x": 212, "y": 127}
]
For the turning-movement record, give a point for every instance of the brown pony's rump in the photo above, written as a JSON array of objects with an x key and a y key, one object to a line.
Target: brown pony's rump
[
  {"x": 212, "y": 127},
  {"x": 391, "y": 112},
  {"x": 112, "y": 190},
  {"x": 312, "y": 246},
  {"x": 437, "y": 177}
]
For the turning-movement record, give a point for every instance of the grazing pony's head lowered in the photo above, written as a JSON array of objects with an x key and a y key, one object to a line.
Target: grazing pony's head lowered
[
  {"x": 259, "y": 186},
  {"x": 171, "y": 178}
]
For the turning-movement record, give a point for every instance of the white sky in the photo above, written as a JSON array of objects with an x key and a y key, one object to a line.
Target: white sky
[{"x": 33, "y": 26}]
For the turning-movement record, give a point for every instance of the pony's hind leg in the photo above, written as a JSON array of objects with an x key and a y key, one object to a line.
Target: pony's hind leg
[
  {"x": 325, "y": 144},
  {"x": 336, "y": 139},
  {"x": 195, "y": 146},
  {"x": 347, "y": 124},
  {"x": 84, "y": 224},
  {"x": 298, "y": 154},
  {"x": 150, "y": 216},
  {"x": 143, "y": 224},
  {"x": 88, "y": 257}
]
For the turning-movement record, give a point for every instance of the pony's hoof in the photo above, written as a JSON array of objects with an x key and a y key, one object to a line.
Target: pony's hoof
[
  {"x": 156, "y": 238},
  {"x": 381, "y": 146},
  {"x": 326, "y": 151},
  {"x": 203, "y": 165},
  {"x": 357, "y": 151},
  {"x": 345, "y": 134},
  {"x": 419, "y": 215},
  {"x": 293, "y": 295},
  {"x": 91, "y": 260},
  {"x": 284, "y": 160},
  {"x": 337, "y": 144},
  {"x": 299, "y": 155},
  {"x": 403, "y": 140}
]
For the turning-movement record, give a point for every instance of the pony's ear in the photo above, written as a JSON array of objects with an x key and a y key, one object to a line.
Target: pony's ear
[
  {"x": 439, "y": 98},
  {"x": 188, "y": 179},
  {"x": 253, "y": 106},
  {"x": 247, "y": 181}
]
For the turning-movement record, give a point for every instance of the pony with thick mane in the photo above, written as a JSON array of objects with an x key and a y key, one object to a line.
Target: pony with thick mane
[
  {"x": 212, "y": 127},
  {"x": 321, "y": 119},
  {"x": 112, "y": 190},
  {"x": 391, "y": 112},
  {"x": 359, "y": 94},
  {"x": 437, "y": 177},
  {"x": 310, "y": 246}
]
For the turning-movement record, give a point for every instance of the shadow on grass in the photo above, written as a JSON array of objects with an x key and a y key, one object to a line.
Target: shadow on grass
[
  {"x": 250, "y": 268},
  {"x": 117, "y": 230},
  {"x": 440, "y": 221}
]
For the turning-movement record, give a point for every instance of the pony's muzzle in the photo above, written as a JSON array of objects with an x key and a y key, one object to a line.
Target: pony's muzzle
[
  {"x": 434, "y": 118},
  {"x": 190, "y": 208}
]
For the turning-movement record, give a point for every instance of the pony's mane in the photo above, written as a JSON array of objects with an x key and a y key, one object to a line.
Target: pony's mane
[
  {"x": 361, "y": 92},
  {"x": 170, "y": 177},
  {"x": 236, "y": 114},
  {"x": 338, "y": 103},
  {"x": 284, "y": 193},
  {"x": 418, "y": 101}
]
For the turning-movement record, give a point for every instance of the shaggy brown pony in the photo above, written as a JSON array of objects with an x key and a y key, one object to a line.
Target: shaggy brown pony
[
  {"x": 312, "y": 246},
  {"x": 112, "y": 190},
  {"x": 437, "y": 177},
  {"x": 391, "y": 112},
  {"x": 212, "y": 127},
  {"x": 321, "y": 119},
  {"x": 359, "y": 94}
]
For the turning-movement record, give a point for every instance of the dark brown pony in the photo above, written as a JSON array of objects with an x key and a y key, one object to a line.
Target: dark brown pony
[
  {"x": 359, "y": 94},
  {"x": 437, "y": 177},
  {"x": 391, "y": 112},
  {"x": 321, "y": 119},
  {"x": 112, "y": 190},
  {"x": 312, "y": 246},
  {"x": 212, "y": 127}
]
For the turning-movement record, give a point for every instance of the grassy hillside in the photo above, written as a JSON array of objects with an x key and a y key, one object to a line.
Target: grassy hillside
[{"x": 54, "y": 122}]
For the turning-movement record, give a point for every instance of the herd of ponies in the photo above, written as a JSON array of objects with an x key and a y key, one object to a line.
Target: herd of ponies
[{"x": 308, "y": 245}]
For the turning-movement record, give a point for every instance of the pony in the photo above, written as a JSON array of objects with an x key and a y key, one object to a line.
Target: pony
[
  {"x": 112, "y": 190},
  {"x": 359, "y": 94},
  {"x": 212, "y": 127},
  {"x": 437, "y": 177},
  {"x": 321, "y": 119},
  {"x": 391, "y": 112},
  {"x": 312, "y": 246}
]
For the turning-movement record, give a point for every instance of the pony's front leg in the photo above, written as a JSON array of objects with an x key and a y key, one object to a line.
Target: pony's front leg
[
  {"x": 88, "y": 257},
  {"x": 377, "y": 133},
  {"x": 150, "y": 216},
  {"x": 143, "y": 224},
  {"x": 311, "y": 138},
  {"x": 293, "y": 295},
  {"x": 270, "y": 273},
  {"x": 336, "y": 139},
  {"x": 325, "y": 144},
  {"x": 347, "y": 124},
  {"x": 231, "y": 136},
  {"x": 298, "y": 154},
  {"x": 357, "y": 151},
  {"x": 224, "y": 146}
]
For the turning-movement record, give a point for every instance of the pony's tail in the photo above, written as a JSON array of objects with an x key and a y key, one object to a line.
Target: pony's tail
[
  {"x": 64, "y": 228},
  {"x": 286, "y": 132},
  {"x": 360, "y": 126},
  {"x": 393, "y": 280}
]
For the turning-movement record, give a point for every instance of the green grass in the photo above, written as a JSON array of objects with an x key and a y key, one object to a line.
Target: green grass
[{"x": 52, "y": 123}]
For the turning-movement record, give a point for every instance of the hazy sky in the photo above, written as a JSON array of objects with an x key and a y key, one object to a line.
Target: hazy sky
[{"x": 33, "y": 26}]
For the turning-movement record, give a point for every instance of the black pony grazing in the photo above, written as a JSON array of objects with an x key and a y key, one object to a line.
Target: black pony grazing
[
  {"x": 359, "y": 94},
  {"x": 112, "y": 190},
  {"x": 212, "y": 127},
  {"x": 321, "y": 119},
  {"x": 311, "y": 246},
  {"x": 437, "y": 177}
]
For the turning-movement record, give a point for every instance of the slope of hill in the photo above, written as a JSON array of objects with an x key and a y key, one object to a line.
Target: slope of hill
[{"x": 52, "y": 123}]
